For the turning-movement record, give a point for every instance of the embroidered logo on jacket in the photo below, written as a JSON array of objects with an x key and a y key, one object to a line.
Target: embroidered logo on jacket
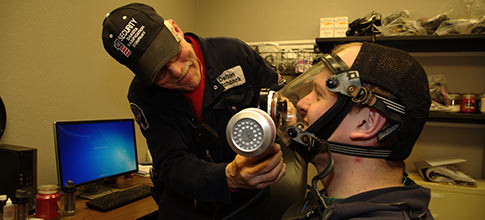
[
  {"x": 139, "y": 116},
  {"x": 232, "y": 77}
]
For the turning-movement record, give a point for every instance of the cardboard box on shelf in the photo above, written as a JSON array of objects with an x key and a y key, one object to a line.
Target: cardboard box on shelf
[
  {"x": 334, "y": 26},
  {"x": 327, "y": 27},
  {"x": 341, "y": 24}
]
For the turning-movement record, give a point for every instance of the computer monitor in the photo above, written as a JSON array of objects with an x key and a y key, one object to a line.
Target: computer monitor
[{"x": 92, "y": 151}]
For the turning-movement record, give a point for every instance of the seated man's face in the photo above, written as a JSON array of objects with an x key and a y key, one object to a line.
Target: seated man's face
[
  {"x": 318, "y": 101},
  {"x": 182, "y": 72}
]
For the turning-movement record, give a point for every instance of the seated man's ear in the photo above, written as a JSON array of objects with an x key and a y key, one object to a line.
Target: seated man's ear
[{"x": 371, "y": 122}]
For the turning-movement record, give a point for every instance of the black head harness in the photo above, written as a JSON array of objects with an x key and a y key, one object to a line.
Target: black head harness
[{"x": 346, "y": 83}]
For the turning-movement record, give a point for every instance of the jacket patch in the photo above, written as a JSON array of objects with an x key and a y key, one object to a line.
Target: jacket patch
[
  {"x": 139, "y": 116},
  {"x": 232, "y": 77}
]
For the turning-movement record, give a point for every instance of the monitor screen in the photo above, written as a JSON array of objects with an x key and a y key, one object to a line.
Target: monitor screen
[{"x": 87, "y": 151}]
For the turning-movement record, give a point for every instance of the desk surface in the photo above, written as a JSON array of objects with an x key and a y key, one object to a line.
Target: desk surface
[{"x": 133, "y": 210}]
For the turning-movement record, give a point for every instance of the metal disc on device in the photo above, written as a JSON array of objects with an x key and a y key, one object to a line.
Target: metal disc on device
[{"x": 250, "y": 132}]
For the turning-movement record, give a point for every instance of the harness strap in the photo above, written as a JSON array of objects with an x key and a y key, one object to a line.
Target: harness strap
[{"x": 360, "y": 151}]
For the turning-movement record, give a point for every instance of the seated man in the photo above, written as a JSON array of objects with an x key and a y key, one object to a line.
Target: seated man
[{"x": 357, "y": 126}]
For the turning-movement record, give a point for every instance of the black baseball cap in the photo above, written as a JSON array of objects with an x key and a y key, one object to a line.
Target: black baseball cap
[
  {"x": 137, "y": 37},
  {"x": 403, "y": 76}
]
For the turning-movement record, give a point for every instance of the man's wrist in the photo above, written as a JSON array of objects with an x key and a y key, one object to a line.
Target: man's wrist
[{"x": 231, "y": 189}]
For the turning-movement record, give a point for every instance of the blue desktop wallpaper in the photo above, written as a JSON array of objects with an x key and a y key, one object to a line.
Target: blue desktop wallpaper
[{"x": 91, "y": 151}]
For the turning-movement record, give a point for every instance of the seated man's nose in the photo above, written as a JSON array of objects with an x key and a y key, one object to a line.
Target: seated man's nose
[{"x": 300, "y": 105}]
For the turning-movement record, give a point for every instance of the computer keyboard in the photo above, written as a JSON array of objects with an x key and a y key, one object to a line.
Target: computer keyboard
[{"x": 120, "y": 198}]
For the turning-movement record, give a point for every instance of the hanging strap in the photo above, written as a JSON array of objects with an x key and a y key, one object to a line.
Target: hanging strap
[{"x": 204, "y": 135}]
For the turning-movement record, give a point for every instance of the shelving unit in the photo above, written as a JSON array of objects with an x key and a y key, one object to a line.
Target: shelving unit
[
  {"x": 448, "y": 43},
  {"x": 468, "y": 118},
  {"x": 457, "y": 198}
]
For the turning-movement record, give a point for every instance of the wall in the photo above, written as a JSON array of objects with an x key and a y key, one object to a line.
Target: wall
[
  {"x": 53, "y": 67},
  {"x": 275, "y": 20}
]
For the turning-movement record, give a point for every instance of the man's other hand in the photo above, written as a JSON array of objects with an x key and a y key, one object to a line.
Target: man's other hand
[{"x": 256, "y": 172}]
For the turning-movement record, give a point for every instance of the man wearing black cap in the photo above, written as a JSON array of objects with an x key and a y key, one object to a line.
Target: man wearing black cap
[
  {"x": 367, "y": 107},
  {"x": 184, "y": 92}
]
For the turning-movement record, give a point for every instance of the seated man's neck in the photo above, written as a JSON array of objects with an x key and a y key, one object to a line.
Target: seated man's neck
[{"x": 354, "y": 175}]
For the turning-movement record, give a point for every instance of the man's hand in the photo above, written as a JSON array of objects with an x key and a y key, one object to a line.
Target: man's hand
[{"x": 256, "y": 172}]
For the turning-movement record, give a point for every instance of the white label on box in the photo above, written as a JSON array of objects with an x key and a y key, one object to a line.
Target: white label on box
[
  {"x": 341, "y": 22},
  {"x": 327, "y": 23},
  {"x": 326, "y": 33},
  {"x": 340, "y": 33},
  {"x": 326, "y": 27}
]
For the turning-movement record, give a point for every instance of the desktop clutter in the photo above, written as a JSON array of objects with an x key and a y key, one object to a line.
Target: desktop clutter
[
  {"x": 48, "y": 203},
  {"x": 103, "y": 175},
  {"x": 112, "y": 141},
  {"x": 20, "y": 198}
]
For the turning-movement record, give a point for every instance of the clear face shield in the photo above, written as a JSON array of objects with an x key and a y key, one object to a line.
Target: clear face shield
[
  {"x": 282, "y": 105},
  {"x": 251, "y": 131}
]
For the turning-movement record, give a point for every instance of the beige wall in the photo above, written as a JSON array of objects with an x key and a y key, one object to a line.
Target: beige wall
[
  {"x": 275, "y": 20},
  {"x": 53, "y": 65}
]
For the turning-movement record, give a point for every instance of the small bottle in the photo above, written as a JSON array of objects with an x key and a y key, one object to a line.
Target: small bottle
[
  {"x": 8, "y": 210},
  {"x": 70, "y": 198},
  {"x": 482, "y": 106},
  {"x": 468, "y": 103},
  {"x": 3, "y": 200},
  {"x": 21, "y": 204},
  {"x": 454, "y": 102}
]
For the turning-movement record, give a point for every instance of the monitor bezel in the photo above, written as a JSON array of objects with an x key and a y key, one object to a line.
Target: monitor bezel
[{"x": 72, "y": 122}]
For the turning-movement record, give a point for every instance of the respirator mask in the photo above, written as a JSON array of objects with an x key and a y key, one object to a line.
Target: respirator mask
[{"x": 252, "y": 131}]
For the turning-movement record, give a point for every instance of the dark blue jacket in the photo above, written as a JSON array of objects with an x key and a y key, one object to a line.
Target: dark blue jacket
[
  {"x": 192, "y": 187},
  {"x": 408, "y": 202}
]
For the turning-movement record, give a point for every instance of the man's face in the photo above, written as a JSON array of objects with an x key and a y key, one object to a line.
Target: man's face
[
  {"x": 318, "y": 101},
  {"x": 182, "y": 72},
  {"x": 314, "y": 105}
]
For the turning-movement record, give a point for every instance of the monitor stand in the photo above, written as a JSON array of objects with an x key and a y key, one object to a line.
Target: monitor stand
[
  {"x": 95, "y": 190},
  {"x": 105, "y": 187},
  {"x": 120, "y": 182}
]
